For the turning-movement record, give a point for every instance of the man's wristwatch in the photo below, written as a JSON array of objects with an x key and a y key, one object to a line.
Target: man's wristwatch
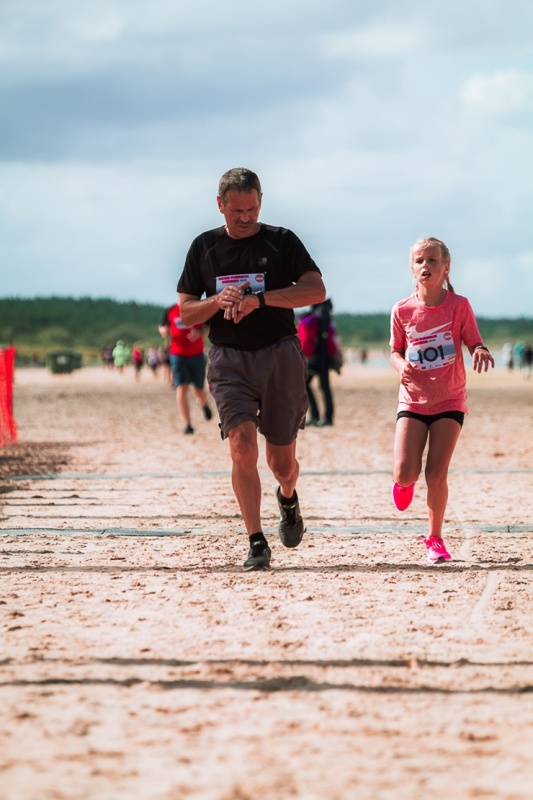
[{"x": 261, "y": 297}]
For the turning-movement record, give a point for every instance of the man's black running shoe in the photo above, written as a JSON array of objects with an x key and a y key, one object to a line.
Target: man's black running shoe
[
  {"x": 258, "y": 557},
  {"x": 291, "y": 525}
]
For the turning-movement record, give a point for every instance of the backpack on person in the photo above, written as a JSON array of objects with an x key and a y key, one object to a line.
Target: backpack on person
[
  {"x": 308, "y": 333},
  {"x": 308, "y": 326}
]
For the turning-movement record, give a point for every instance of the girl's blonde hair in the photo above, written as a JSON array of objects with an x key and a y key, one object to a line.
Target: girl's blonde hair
[{"x": 431, "y": 241}]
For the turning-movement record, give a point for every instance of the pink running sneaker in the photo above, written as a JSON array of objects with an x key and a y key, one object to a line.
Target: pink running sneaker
[
  {"x": 402, "y": 495},
  {"x": 436, "y": 550}
]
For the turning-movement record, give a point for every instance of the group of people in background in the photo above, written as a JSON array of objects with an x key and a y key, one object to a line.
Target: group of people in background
[
  {"x": 120, "y": 355},
  {"x": 182, "y": 358},
  {"x": 519, "y": 355}
]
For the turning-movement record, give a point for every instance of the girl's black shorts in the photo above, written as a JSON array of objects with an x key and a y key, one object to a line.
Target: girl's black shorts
[{"x": 429, "y": 419}]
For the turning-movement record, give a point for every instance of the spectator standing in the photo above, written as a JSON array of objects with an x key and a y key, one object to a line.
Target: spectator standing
[
  {"x": 137, "y": 356},
  {"x": 518, "y": 352},
  {"x": 528, "y": 359},
  {"x": 508, "y": 355},
  {"x": 322, "y": 340},
  {"x": 107, "y": 357},
  {"x": 121, "y": 356},
  {"x": 164, "y": 362},
  {"x": 152, "y": 359}
]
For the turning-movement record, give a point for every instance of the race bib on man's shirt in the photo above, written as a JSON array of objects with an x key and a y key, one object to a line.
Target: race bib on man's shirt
[
  {"x": 431, "y": 349},
  {"x": 256, "y": 279}
]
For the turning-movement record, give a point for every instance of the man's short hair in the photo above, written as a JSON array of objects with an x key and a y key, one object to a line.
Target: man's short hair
[{"x": 238, "y": 179}]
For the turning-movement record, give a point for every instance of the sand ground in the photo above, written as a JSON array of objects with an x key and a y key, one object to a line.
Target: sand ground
[{"x": 138, "y": 660}]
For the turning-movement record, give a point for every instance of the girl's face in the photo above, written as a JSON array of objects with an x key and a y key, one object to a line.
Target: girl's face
[{"x": 428, "y": 266}]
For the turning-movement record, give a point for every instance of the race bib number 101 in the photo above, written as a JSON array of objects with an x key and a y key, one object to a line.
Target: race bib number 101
[{"x": 432, "y": 352}]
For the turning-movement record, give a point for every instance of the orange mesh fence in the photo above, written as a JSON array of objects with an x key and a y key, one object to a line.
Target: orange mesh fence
[{"x": 8, "y": 428}]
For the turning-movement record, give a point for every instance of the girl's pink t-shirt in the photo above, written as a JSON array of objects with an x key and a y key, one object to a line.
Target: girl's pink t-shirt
[{"x": 431, "y": 339}]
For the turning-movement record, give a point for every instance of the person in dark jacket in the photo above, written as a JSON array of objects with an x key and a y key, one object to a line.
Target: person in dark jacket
[{"x": 318, "y": 364}]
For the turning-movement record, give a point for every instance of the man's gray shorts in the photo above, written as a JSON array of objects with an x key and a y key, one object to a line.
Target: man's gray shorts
[{"x": 266, "y": 386}]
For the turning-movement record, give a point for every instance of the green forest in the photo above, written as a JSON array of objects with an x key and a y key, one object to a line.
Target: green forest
[
  {"x": 40, "y": 324},
  {"x": 37, "y": 325}
]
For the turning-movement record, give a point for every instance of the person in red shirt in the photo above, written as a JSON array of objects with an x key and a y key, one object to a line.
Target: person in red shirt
[
  {"x": 137, "y": 356},
  {"x": 187, "y": 363}
]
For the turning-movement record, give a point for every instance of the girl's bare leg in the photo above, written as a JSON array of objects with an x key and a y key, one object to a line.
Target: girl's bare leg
[
  {"x": 443, "y": 436},
  {"x": 409, "y": 441}
]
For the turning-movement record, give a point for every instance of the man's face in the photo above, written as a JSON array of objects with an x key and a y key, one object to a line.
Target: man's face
[{"x": 241, "y": 212}]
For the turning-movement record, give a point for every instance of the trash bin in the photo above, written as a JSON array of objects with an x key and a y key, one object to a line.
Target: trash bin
[{"x": 62, "y": 361}]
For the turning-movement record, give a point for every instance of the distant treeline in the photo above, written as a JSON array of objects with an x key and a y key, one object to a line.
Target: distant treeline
[
  {"x": 83, "y": 323},
  {"x": 51, "y": 322}
]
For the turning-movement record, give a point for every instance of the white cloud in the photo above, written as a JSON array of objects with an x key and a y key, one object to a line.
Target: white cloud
[
  {"x": 375, "y": 41},
  {"x": 499, "y": 286},
  {"x": 502, "y": 93},
  {"x": 369, "y": 124},
  {"x": 119, "y": 231}
]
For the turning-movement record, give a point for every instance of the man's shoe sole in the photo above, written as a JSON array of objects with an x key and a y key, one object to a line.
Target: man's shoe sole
[
  {"x": 292, "y": 539},
  {"x": 258, "y": 563},
  {"x": 257, "y": 567}
]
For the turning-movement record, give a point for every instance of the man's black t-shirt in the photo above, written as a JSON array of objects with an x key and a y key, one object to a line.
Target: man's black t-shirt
[{"x": 273, "y": 258}]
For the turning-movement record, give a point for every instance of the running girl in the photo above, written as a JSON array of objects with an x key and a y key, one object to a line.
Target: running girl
[{"x": 428, "y": 330}]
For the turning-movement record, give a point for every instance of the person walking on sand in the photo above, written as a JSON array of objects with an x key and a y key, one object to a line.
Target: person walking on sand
[
  {"x": 152, "y": 359},
  {"x": 121, "y": 357},
  {"x": 317, "y": 332},
  {"x": 528, "y": 359},
  {"x": 187, "y": 363},
  {"x": 428, "y": 330},
  {"x": 253, "y": 275},
  {"x": 137, "y": 356},
  {"x": 164, "y": 362}
]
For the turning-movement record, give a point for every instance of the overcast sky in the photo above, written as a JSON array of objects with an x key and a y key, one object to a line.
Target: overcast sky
[{"x": 369, "y": 124}]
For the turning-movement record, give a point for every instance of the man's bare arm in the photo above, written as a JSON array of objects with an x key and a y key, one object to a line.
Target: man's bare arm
[
  {"x": 194, "y": 311},
  {"x": 309, "y": 289}
]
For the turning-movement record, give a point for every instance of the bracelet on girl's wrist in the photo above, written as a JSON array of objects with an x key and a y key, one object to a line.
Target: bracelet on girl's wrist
[{"x": 481, "y": 347}]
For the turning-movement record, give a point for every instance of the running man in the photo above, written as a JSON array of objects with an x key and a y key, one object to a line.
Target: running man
[
  {"x": 253, "y": 275},
  {"x": 187, "y": 363}
]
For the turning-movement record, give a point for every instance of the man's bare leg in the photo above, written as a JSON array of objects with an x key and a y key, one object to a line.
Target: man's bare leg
[{"x": 245, "y": 476}]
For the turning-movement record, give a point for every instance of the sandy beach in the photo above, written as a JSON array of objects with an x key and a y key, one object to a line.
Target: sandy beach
[{"x": 138, "y": 660}]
